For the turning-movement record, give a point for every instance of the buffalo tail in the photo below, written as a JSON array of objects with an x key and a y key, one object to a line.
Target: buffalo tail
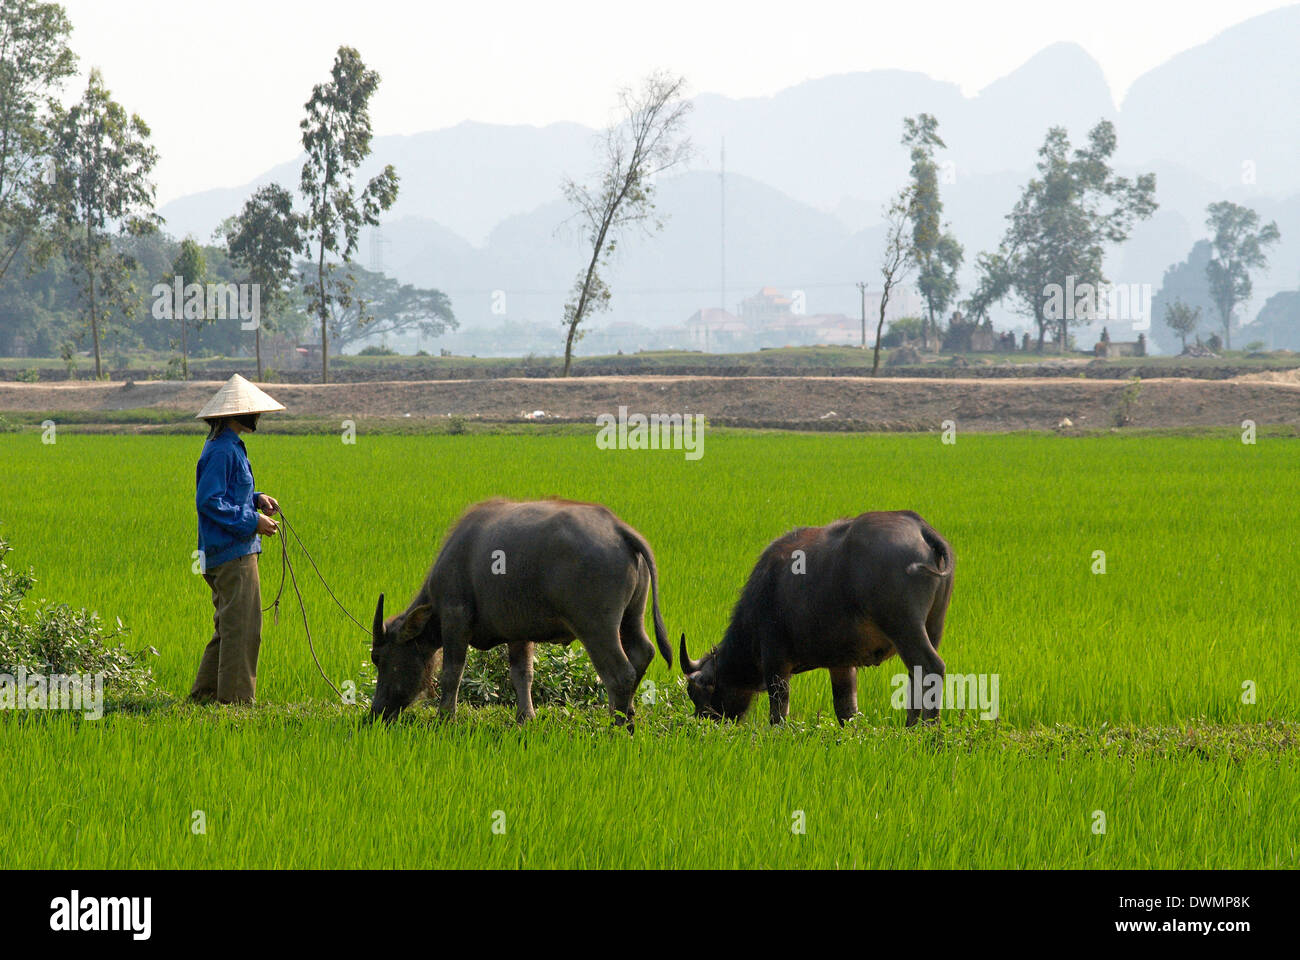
[
  {"x": 642, "y": 549},
  {"x": 943, "y": 564}
]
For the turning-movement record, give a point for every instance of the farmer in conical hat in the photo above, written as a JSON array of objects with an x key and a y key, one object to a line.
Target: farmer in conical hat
[{"x": 230, "y": 538}]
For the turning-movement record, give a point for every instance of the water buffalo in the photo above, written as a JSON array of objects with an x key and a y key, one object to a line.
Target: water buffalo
[
  {"x": 849, "y": 594},
  {"x": 521, "y": 573}
]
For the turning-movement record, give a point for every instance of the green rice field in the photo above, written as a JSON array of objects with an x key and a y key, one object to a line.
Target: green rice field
[{"x": 1148, "y": 716}]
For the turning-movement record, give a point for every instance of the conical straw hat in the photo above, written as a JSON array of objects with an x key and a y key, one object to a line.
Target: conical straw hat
[{"x": 237, "y": 396}]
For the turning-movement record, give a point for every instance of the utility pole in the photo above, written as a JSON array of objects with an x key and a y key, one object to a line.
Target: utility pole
[
  {"x": 722, "y": 223},
  {"x": 862, "y": 289},
  {"x": 377, "y": 243}
]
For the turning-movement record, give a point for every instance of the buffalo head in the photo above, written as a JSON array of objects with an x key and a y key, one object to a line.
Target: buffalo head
[
  {"x": 713, "y": 697},
  {"x": 402, "y": 651}
]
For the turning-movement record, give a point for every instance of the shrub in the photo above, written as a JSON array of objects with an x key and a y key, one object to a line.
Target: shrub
[
  {"x": 377, "y": 351},
  {"x": 30, "y": 375},
  {"x": 54, "y": 639},
  {"x": 1127, "y": 400},
  {"x": 68, "y": 352},
  {"x": 562, "y": 677},
  {"x": 900, "y": 330}
]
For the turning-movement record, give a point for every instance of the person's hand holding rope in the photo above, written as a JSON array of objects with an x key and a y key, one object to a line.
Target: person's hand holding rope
[{"x": 267, "y": 526}]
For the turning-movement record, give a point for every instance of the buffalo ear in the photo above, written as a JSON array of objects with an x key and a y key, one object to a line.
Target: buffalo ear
[{"x": 414, "y": 623}]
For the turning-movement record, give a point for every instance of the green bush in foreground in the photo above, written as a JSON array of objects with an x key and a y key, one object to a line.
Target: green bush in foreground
[
  {"x": 54, "y": 639},
  {"x": 562, "y": 677}
]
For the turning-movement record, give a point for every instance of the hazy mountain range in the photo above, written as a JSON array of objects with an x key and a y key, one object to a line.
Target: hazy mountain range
[{"x": 809, "y": 168}]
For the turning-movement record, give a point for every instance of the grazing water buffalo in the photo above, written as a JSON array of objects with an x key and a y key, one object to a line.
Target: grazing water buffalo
[
  {"x": 849, "y": 594},
  {"x": 523, "y": 573}
]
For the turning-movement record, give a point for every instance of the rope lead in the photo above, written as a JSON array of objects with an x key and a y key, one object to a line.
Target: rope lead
[{"x": 287, "y": 565}]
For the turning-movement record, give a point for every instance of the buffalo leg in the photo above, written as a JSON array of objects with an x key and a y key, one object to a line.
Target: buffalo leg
[
  {"x": 915, "y": 651},
  {"x": 938, "y": 611},
  {"x": 636, "y": 647},
  {"x": 453, "y": 666},
  {"x": 606, "y": 652},
  {"x": 844, "y": 692},
  {"x": 778, "y": 696},
  {"x": 521, "y": 675},
  {"x": 455, "y": 644}
]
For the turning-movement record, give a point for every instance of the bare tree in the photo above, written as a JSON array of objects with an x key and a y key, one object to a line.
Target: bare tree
[
  {"x": 646, "y": 142},
  {"x": 896, "y": 261}
]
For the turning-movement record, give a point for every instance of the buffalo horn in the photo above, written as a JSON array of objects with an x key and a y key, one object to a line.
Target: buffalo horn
[{"x": 689, "y": 666}]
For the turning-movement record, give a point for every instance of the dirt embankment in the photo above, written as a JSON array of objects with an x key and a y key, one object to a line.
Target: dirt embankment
[
  {"x": 1272, "y": 376},
  {"x": 350, "y": 370},
  {"x": 823, "y": 403}
]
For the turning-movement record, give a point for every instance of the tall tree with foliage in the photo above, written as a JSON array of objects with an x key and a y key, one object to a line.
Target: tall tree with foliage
[
  {"x": 34, "y": 62},
  {"x": 935, "y": 250},
  {"x": 336, "y": 135},
  {"x": 1062, "y": 223},
  {"x": 190, "y": 266},
  {"x": 102, "y": 160},
  {"x": 1237, "y": 247},
  {"x": 646, "y": 142},
  {"x": 263, "y": 241},
  {"x": 896, "y": 261}
]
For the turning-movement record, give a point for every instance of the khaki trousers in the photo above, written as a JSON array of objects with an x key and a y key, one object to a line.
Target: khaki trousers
[{"x": 228, "y": 670}]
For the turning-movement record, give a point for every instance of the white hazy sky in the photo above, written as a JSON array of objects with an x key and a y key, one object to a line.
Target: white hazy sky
[{"x": 222, "y": 84}]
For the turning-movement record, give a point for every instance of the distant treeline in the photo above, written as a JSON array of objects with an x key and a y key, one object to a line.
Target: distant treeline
[
  {"x": 83, "y": 258},
  {"x": 41, "y": 308}
]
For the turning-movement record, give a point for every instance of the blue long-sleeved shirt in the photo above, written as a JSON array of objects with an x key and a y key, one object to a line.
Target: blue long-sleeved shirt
[{"x": 226, "y": 501}]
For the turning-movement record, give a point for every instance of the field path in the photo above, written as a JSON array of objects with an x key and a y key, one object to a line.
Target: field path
[{"x": 824, "y": 403}]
